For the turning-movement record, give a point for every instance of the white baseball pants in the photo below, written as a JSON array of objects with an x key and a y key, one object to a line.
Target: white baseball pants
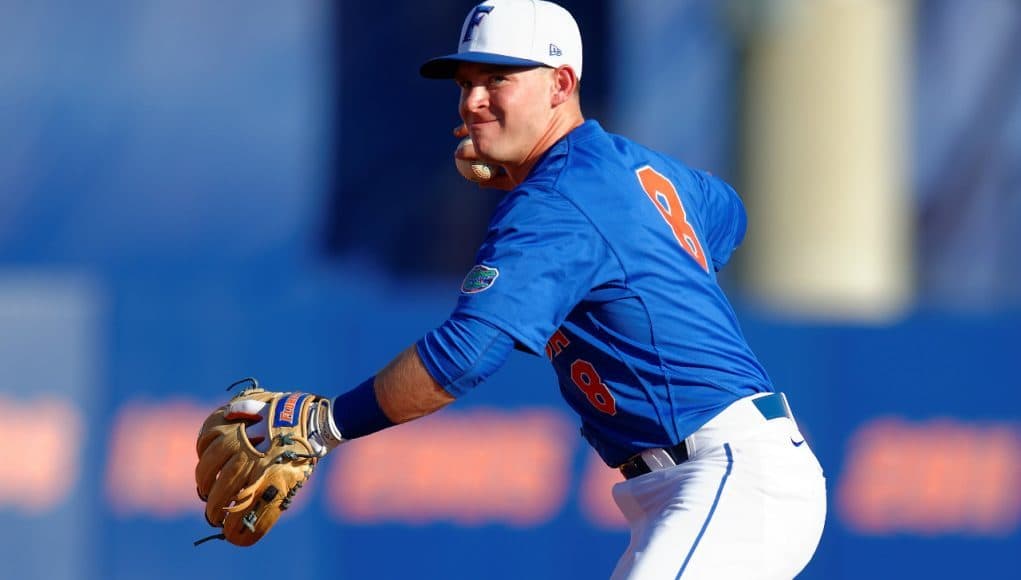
[{"x": 749, "y": 503}]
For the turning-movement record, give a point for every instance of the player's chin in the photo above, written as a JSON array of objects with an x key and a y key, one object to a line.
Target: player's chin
[{"x": 486, "y": 149}]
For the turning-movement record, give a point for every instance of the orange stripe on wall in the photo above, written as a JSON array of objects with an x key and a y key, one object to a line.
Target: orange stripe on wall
[
  {"x": 933, "y": 477},
  {"x": 151, "y": 466},
  {"x": 469, "y": 467},
  {"x": 597, "y": 494},
  {"x": 39, "y": 473}
]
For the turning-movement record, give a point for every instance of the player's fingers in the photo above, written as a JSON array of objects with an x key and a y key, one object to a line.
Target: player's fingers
[
  {"x": 461, "y": 131},
  {"x": 466, "y": 150}
]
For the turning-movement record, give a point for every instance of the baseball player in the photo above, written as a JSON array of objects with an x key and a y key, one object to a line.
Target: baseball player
[{"x": 602, "y": 257}]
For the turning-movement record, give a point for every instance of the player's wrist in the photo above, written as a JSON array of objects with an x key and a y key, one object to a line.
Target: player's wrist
[
  {"x": 323, "y": 432},
  {"x": 357, "y": 413}
]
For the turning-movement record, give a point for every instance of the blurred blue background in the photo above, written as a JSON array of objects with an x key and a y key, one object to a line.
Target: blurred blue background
[{"x": 195, "y": 192}]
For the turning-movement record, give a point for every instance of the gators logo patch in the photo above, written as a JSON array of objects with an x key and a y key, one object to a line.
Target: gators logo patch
[{"x": 478, "y": 279}]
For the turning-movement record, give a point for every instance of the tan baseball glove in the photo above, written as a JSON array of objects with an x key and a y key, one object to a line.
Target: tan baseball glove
[{"x": 255, "y": 453}]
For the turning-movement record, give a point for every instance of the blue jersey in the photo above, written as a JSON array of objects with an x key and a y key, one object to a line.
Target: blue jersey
[{"x": 604, "y": 260}]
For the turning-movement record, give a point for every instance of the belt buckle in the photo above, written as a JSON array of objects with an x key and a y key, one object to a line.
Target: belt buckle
[
  {"x": 650, "y": 460},
  {"x": 657, "y": 458}
]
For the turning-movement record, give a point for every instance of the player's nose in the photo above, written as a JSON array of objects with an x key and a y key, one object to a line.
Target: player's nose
[{"x": 475, "y": 98}]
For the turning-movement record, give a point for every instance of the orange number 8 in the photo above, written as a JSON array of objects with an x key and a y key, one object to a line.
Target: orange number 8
[
  {"x": 587, "y": 379},
  {"x": 664, "y": 196}
]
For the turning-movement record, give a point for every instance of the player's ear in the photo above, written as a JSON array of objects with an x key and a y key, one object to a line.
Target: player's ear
[{"x": 564, "y": 84}]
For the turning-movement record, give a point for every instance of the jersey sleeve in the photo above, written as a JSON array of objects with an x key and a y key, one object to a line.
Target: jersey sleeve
[
  {"x": 463, "y": 352},
  {"x": 541, "y": 256},
  {"x": 726, "y": 220}
]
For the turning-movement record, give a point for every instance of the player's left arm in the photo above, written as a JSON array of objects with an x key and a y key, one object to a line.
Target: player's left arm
[
  {"x": 402, "y": 391},
  {"x": 405, "y": 390},
  {"x": 427, "y": 376},
  {"x": 256, "y": 451}
]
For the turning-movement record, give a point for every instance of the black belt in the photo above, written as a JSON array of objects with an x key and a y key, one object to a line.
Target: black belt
[{"x": 771, "y": 406}]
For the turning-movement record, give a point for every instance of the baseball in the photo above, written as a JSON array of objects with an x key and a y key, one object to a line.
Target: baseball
[{"x": 473, "y": 170}]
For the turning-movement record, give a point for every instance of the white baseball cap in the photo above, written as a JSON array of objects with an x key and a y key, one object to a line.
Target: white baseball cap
[{"x": 513, "y": 33}]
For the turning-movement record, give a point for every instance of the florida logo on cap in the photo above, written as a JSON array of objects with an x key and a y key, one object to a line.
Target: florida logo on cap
[{"x": 476, "y": 18}]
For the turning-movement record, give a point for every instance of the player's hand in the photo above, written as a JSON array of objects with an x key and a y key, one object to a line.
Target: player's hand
[{"x": 467, "y": 152}]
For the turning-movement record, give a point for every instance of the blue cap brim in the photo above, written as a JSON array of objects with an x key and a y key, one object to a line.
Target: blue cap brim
[{"x": 444, "y": 67}]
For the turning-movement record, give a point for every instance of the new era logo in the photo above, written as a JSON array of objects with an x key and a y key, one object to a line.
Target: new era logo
[{"x": 554, "y": 50}]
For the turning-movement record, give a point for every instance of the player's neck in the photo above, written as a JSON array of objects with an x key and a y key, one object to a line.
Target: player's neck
[{"x": 559, "y": 126}]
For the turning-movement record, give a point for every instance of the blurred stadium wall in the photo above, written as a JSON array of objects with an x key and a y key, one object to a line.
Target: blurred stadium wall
[{"x": 191, "y": 193}]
